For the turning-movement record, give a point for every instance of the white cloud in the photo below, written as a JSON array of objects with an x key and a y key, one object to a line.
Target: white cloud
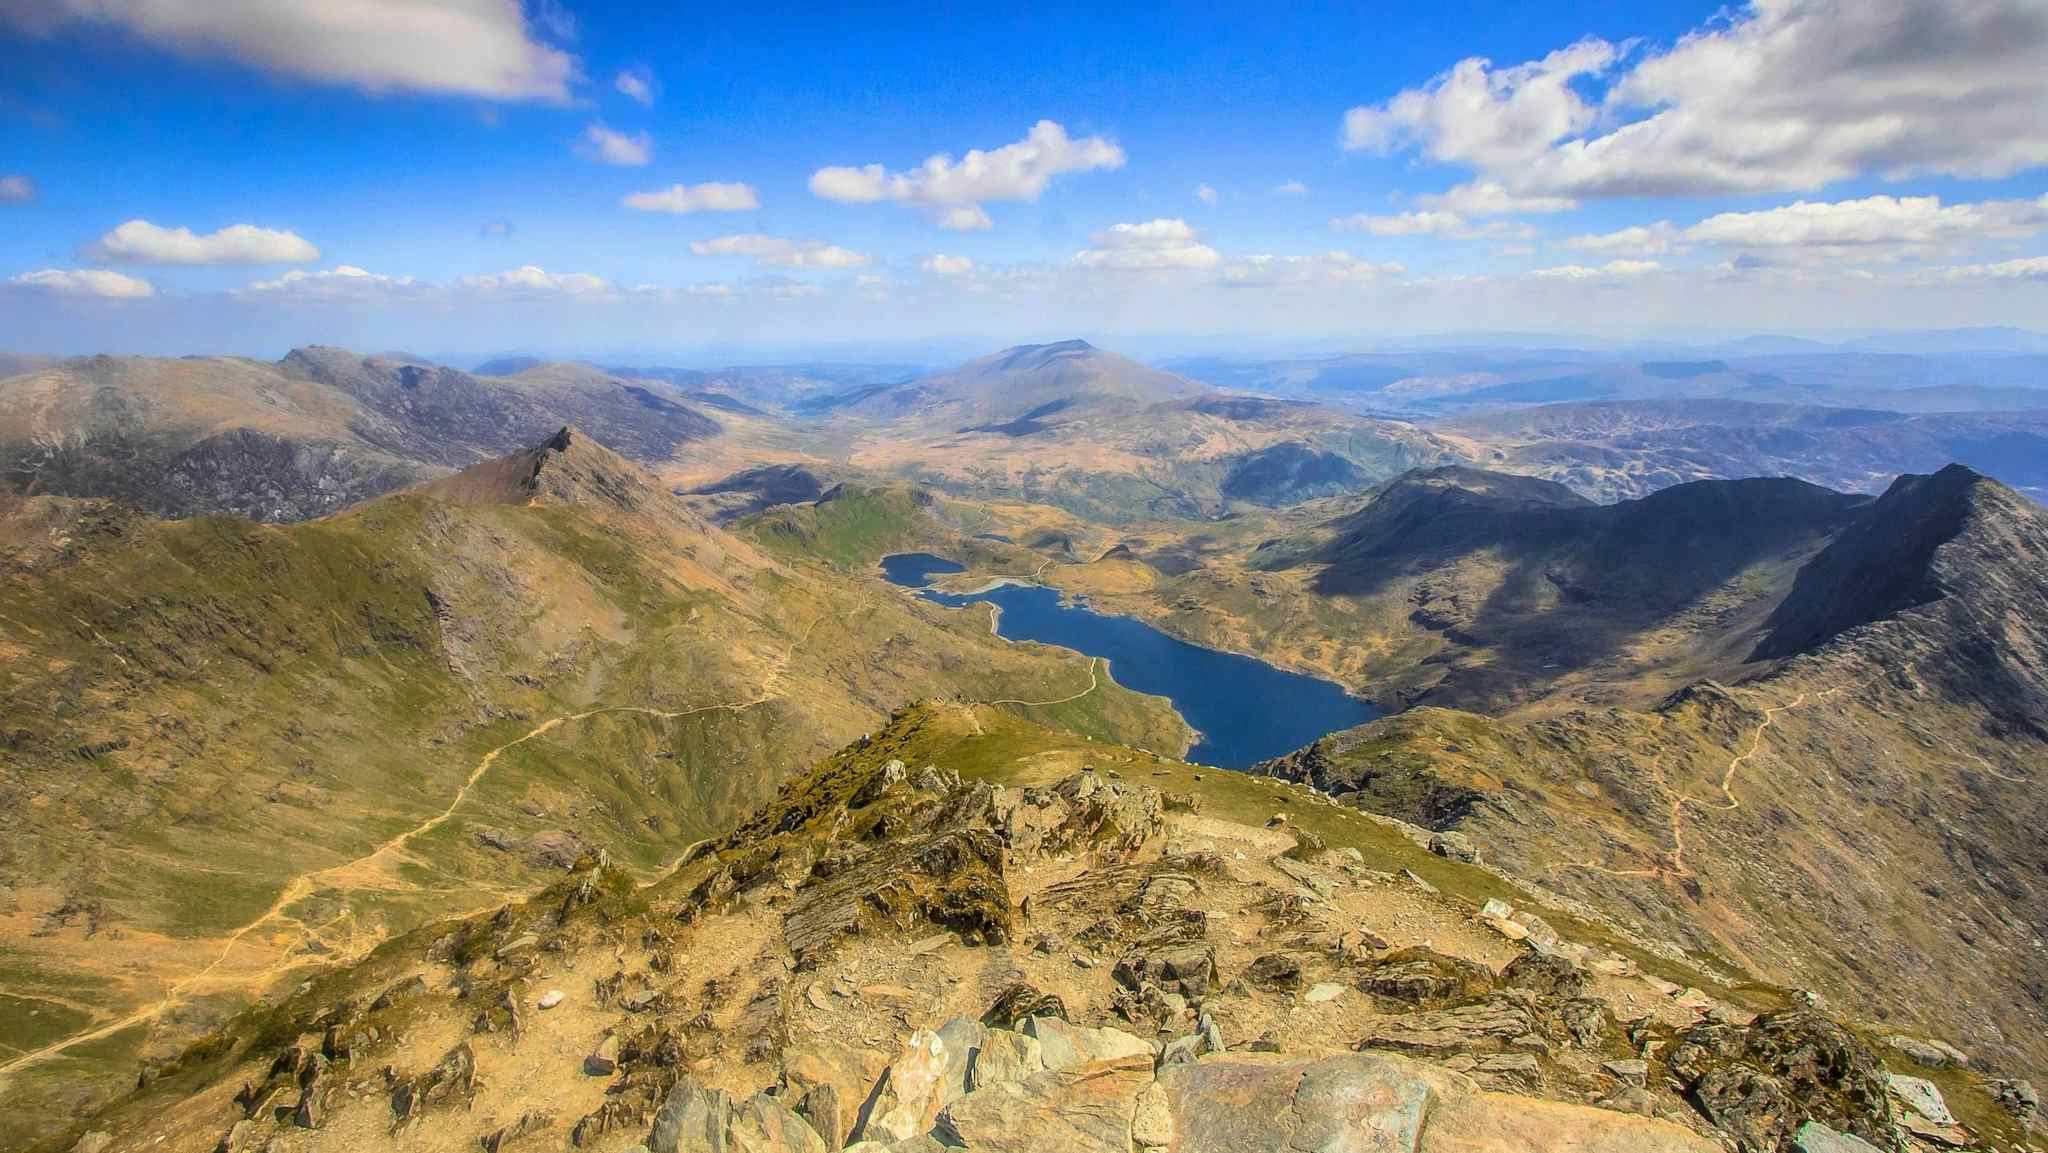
[
  {"x": 96, "y": 282},
  {"x": 952, "y": 192},
  {"x": 637, "y": 84},
  {"x": 610, "y": 147},
  {"x": 1489, "y": 198},
  {"x": 16, "y": 188},
  {"x": 780, "y": 252},
  {"x": 717, "y": 291},
  {"x": 1155, "y": 244},
  {"x": 1485, "y": 117},
  {"x": 1291, "y": 188},
  {"x": 2024, "y": 268},
  {"x": 942, "y": 265},
  {"x": 786, "y": 289},
  {"x": 1873, "y": 228},
  {"x": 1638, "y": 240},
  {"x": 471, "y": 47},
  {"x": 1206, "y": 195},
  {"x": 140, "y": 242},
  {"x": 1430, "y": 223},
  {"x": 713, "y": 196},
  {"x": 529, "y": 280},
  {"x": 343, "y": 281},
  {"x": 1782, "y": 95},
  {"x": 1336, "y": 267},
  {"x": 1612, "y": 270}
]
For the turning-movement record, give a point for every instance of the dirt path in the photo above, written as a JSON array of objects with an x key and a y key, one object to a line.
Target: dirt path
[
  {"x": 1093, "y": 682},
  {"x": 1676, "y": 868},
  {"x": 351, "y": 874}
]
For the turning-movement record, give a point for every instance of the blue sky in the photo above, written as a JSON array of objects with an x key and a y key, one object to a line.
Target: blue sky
[{"x": 1223, "y": 174}]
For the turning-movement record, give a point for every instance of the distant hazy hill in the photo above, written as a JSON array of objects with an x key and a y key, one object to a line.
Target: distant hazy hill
[
  {"x": 306, "y": 435},
  {"x": 1102, "y": 435},
  {"x": 1029, "y": 385},
  {"x": 1614, "y": 449}
]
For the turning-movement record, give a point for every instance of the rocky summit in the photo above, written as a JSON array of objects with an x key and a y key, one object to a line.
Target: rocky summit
[{"x": 1037, "y": 943}]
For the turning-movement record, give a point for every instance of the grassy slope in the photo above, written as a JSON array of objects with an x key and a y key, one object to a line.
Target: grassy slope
[{"x": 210, "y": 709}]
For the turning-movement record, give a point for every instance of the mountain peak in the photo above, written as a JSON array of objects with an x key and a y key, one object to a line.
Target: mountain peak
[
  {"x": 567, "y": 468},
  {"x": 1929, "y": 537}
]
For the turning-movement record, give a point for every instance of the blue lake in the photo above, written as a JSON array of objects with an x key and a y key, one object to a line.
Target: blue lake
[{"x": 1245, "y": 709}]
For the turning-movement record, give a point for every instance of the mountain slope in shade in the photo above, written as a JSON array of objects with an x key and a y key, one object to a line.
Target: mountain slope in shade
[{"x": 1859, "y": 814}]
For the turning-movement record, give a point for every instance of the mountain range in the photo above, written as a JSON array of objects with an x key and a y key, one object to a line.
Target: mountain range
[{"x": 357, "y": 706}]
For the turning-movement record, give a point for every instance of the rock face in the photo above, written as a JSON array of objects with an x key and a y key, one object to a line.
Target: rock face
[{"x": 1759, "y": 1083}]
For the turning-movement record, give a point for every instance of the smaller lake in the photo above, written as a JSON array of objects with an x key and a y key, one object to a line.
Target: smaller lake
[{"x": 1245, "y": 709}]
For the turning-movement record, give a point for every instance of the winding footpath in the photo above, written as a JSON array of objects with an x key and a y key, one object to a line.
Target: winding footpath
[{"x": 351, "y": 873}]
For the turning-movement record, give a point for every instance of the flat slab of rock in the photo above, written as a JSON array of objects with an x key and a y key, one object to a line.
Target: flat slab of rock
[
  {"x": 1379, "y": 1103},
  {"x": 1814, "y": 1137},
  {"x": 1920, "y": 1095},
  {"x": 1085, "y": 1108}
]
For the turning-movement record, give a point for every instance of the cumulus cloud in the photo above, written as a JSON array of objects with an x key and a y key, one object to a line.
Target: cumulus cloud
[
  {"x": 1291, "y": 188},
  {"x": 637, "y": 84},
  {"x": 1206, "y": 195},
  {"x": 2025, "y": 268},
  {"x": 528, "y": 280},
  {"x": 611, "y": 147},
  {"x": 471, "y": 47},
  {"x": 1489, "y": 198},
  {"x": 942, "y": 265},
  {"x": 140, "y": 242},
  {"x": 713, "y": 196},
  {"x": 1428, "y": 222},
  {"x": 1485, "y": 117},
  {"x": 951, "y": 192},
  {"x": 1612, "y": 270},
  {"x": 342, "y": 282},
  {"x": 16, "y": 188},
  {"x": 1335, "y": 267},
  {"x": 90, "y": 282},
  {"x": 1638, "y": 240},
  {"x": 1782, "y": 95},
  {"x": 1154, "y": 244},
  {"x": 781, "y": 252},
  {"x": 1873, "y": 228}
]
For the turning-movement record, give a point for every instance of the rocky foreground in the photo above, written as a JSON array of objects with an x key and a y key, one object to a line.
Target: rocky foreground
[{"x": 887, "y": 958}]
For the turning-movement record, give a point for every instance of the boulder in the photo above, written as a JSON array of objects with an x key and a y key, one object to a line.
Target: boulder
[
  {"x": 1454, "y": 846},
  {"x": 1920, "y": 1095},
  {"x": 1928, "y": 1052},
  {"x": 603, "y": 1061},
  {"x": 1005, "y": 1056},
  {"x": 909, "y": 1095},
  {"x": 1545, "y": 973},
  {"x": 1274, "y": 971},
  {"x": 1759, "y": 1082},
  {"x": 691, "y": 1120},
  {"x": 764, "y": 1125},
  {"x": 1232, "y": 1103},
  {"x": 1421, "y": 976},
  {"x": 1188, "y": 969},
  {"x": 820, "y": 1108},
  {"x": 2015, "y": 1097},
  {"x": 1064, "y": 1046},
  {"x": 551, "y": 998},
  {"x": 1085, "y": 1108},
  {"x": 1814, "y": 1137}
]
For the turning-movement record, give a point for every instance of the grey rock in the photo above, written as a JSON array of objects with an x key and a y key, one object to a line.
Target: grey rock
[{"x": 1814, "y": 1137}]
